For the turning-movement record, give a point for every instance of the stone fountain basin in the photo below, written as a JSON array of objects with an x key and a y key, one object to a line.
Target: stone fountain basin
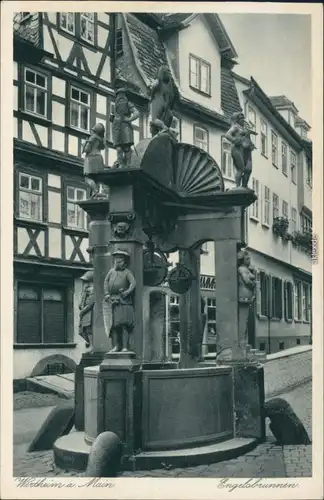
[
  {"x": 162, "y": 414},
  {"x": 178, "y": 408}
]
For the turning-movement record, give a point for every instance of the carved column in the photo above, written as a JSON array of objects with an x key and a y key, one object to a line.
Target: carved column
[
  {"x": 100, "y": 236},
  {"x": 126, "y": 234}
]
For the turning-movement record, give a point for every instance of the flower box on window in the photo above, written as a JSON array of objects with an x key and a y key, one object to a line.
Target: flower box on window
[
  {"x": 280, "y": 226},
  {"x": 303, "y": 240}
]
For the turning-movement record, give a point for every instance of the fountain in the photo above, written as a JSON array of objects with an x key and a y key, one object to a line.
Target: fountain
[{"x": 169, "y": 196}]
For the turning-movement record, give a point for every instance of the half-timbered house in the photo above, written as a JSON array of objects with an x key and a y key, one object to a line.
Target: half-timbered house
[{"x": 62, "y": 82}]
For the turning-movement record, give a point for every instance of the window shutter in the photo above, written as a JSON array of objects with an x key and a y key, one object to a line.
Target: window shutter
[
  {"x": 29, "y": 322},
  {"x": 258, "y": 293},
  {"x": 286, "y": 300},
  {"x": 54, "y": 322},
  {"x": 269, "y": 304},
  {"x": 281, "y": 300}
]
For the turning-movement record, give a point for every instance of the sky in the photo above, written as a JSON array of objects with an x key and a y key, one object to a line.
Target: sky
[{"x": 276, "y": 50}]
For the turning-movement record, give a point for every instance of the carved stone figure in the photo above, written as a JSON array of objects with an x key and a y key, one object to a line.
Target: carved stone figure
[
  {"x": 122, "y": 130},
  {"x": 119, "y": 286},
  {"x": 246, "y": 294},
  {"x": 93, "y": 162},
  {"x": 86, "y": 307},
  {"x": 164, "y": 94},
  {"x": 121, "y": 223},
  {"x": 246, "y": 277},
  {"x": 242, "y": 147}
]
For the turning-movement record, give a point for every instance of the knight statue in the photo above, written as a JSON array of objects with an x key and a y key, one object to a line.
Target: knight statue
[
  {"x": 119, "y": 286},
  {"x": 122, "y": 130},
  {"x": 93, "y": 162},
  {"x": 86, "y": 308}
]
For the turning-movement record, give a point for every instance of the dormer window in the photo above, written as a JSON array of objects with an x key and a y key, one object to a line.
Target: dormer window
[
  {"x": 79, "y": 24},
  {"x": 199, "y": 74}
]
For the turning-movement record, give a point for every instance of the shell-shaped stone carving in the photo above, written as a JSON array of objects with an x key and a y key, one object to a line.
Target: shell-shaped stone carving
[{"x": 196, "y": 172}]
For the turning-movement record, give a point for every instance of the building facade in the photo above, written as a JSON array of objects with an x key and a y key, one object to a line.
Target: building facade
[
  {"x": 66, "y": 66},
  {"x": 62, "y": 86}
]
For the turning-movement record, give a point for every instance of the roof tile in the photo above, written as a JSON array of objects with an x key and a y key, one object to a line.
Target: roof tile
[
  {"x": 229, "y": 98},
  {"x": 149, "y": 48},
  {"x": 28, "y": 29}
]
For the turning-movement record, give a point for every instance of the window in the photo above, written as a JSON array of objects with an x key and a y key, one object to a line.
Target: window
[
  {"x": 81, "y": 24},
  {"x": 76, "y": 216},
  {"x": 275, "y": 206},
  {"x": 41, "y": 314},
  {"x": 67, "y": 22},
  {"x": 119, "y": 42},
  {"x": 201, "y": 138},
  {"x": 285, "y": 209},
  {"x": 306, "y": 223},
  {"x": 266, "y": 206},
  {"x": 252, "y": 122},
  {"x": 288, "y": 300},
  {"x": 264, "y": 137},
  {"x": 35, "y": 92},
  {"x": 274, "y": 148},
  {"x": 262, "y": 346},
  {"x": 227, "y": 167},
  {"x": 284, "y": 153},
  {"x": 176, "y": 125},
  {"x": 281, "y": 346},
  {"x": 87, "y": 26},
  {"x": 211, "y": 325},
  {"x": 264, "y": 294},
  {"x": 291, "y": 118},
  {"x": 80, "y": 109},
  {"x": 306, "y": 302},
  {"x": 298, "y": 301},
  {"x": 293, "y": 167},
  {"x": 276, "y": 298},
  {"x": 174, "y": 324},
  {"x": 199, "y": 74},
  {"x": 309, "y": 172},
  {"x": 30, "y": 197},
  {"x": 298, "y": 341},
  {"x": 293, "y": 219},
  {"x": 255, "y": 205}
]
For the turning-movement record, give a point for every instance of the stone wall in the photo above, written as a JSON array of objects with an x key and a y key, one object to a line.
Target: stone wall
[{"x": 287, "y": 369}]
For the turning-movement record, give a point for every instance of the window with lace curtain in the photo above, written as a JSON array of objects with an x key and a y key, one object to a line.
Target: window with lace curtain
[{"x": 30, "y": 197}]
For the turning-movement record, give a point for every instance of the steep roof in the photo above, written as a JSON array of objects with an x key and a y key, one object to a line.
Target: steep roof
[
  {"x": 149, "y": 50},
  {"x": 28, "y": 29},
  {"x": 229, "y": 98},
  {"x": 281, "y": 101},
  {"x": 150, "y": 54}
]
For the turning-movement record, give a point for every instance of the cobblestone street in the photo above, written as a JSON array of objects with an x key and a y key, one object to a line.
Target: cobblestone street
[{"x": 267, "y": 460}]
